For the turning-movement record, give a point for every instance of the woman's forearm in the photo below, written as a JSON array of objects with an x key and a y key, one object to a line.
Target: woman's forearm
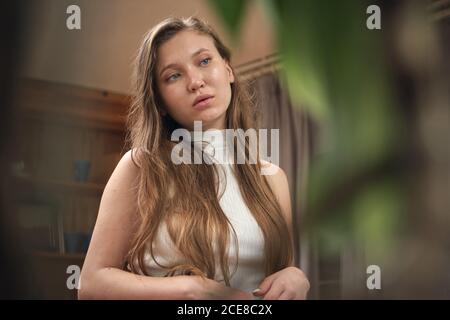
[{"x": 113, "y": 283}]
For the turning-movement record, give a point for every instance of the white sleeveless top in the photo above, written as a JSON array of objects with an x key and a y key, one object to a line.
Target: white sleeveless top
[{"x": 250, "y": 265}]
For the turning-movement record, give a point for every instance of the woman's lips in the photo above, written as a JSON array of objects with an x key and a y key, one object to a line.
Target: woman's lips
[{"x": 203, "y": 103}]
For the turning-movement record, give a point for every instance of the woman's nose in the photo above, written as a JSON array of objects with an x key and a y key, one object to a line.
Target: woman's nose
[{"x": 195, "y": 82}]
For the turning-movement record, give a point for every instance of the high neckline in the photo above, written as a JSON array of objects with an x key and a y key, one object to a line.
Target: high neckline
[
  {"x": 214, "y": 137},
  {"x": 211, "y": 141}
]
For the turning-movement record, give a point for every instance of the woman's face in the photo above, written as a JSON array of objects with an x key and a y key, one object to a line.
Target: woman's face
[{"x": 190, "y": 68}]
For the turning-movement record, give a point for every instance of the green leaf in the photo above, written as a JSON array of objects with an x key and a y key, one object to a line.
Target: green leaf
[
  {"x": 377, "y": 216},
  {"x": 231, "y": 12}
]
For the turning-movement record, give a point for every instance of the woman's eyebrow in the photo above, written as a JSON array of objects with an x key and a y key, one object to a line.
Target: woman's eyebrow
[{"x": 174, "y": 64}]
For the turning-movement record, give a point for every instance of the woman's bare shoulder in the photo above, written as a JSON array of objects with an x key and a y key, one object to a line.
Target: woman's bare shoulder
[
  {"x": 126, "y": 172},
  {"x": 271, "y": 170},
  {"x": 279, "y": 184},
  {"x": 134, "y": 156},
  {"x": 276, "y": 177}
]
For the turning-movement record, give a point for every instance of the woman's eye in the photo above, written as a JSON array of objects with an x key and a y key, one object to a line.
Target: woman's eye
[
  {"x": 205, "y": 61},
  {"x": 173, "y": 77}
]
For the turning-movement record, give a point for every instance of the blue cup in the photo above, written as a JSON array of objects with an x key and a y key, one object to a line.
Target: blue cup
[
  {"x": 82, "y": 170},
  {"x": 77, "y": 242},
  {"x": 72, "y": 241}
]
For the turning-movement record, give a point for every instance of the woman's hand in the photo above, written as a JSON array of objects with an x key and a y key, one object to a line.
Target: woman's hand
[
  {"x": 207, "y": 289},
  {"x": 287, "y": 284}
]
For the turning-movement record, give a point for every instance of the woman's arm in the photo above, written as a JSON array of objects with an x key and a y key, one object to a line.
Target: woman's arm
[
  {"x": 102, "y": 276},
  {"x": 290, "y": 282},
  {"x": 279, "y": 184}
]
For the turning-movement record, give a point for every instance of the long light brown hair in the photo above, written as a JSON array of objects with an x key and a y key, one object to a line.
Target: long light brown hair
[{"x": 195, "y": 220}]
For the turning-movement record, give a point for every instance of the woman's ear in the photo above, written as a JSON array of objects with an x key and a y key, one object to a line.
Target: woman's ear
[{"x": 230, "y": 71}]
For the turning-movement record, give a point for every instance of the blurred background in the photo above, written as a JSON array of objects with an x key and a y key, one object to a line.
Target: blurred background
[{"x": 360, "y": 94}]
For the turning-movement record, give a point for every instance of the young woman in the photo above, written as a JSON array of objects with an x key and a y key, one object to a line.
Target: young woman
[{"x": 170, "y": 230}]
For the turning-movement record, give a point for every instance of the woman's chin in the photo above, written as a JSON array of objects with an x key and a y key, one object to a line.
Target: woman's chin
[{"x": 209, "y": 117}]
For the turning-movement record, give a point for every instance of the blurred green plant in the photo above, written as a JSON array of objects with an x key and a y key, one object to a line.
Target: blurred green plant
[{"x": 335, "y": 69}]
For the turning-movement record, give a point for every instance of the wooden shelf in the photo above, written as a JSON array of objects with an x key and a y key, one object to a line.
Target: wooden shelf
[
  {"x": 57, "y": 255},
  {"x": 85, "y": 188},
  {"x": 58, "y": 124},
  {"x": 111, "y": 123},
  {"x": 69, "y": 105}
]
